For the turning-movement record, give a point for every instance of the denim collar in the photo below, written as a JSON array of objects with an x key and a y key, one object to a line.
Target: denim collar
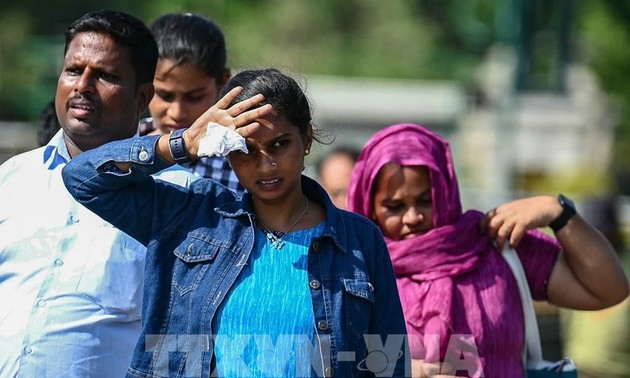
[{"x": 334, "y": 229}]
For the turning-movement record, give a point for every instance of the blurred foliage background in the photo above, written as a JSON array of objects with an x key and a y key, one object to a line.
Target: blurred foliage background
[{"x": 407, "y": 39}]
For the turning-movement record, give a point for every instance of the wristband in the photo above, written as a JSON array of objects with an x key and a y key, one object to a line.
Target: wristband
[
  {"x": 178, "y": 147},
  {"x": 568, "y": 211}
]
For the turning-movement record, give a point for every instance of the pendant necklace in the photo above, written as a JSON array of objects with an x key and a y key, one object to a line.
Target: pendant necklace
[{"x": 275, "y": 237}]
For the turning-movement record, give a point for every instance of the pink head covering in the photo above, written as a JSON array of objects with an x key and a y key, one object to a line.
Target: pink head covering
[
  {"x": 426, "y": 265},
  {"x": 408, "y": 145}
]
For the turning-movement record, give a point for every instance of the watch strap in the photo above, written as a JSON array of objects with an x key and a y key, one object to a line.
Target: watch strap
[
  {"x": 568, "y": 211},
  {"x": 178, "y": 147}
]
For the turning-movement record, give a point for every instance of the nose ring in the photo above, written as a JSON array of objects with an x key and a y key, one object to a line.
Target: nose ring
[{"x": 274, "y": 163}]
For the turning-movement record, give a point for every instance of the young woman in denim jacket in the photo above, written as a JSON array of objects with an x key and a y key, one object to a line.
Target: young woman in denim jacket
[{"x": 278, "y": 283}]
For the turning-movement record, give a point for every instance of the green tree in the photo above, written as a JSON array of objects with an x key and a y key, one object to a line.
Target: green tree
[
  {"x": 414, "y": 39},
  {"x": 603, "y": 31}
]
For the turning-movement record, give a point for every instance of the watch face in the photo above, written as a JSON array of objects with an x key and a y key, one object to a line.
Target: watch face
[
  {"x": 566, "y": 202},
  {"x": 568, "y": 211}
]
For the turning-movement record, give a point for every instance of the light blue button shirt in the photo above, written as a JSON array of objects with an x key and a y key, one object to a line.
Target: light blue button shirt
[{"x": 70, "y": 283}]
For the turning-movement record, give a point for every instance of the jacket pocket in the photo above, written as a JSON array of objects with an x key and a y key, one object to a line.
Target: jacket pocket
[
  {"x": 194, "y": 257},
  {"x": 359, "y": 301},
  {"x": 194, "y": 249}
]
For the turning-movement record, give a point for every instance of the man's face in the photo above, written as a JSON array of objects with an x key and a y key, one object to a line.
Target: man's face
[
  {"x": 97, "y": 100},
  {"x": 335, "y": 176}
]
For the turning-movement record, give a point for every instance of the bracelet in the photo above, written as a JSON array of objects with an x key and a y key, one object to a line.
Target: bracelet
[{"x": 178, "y": 147}]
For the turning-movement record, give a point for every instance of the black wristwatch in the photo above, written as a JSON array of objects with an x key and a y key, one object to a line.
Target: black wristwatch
[
  {"x": 568, "y": 211},
  {"x": 178, "y": 148}
]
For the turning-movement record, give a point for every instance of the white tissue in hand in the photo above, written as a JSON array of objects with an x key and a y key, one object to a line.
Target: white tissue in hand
[{"x": 220, "y": 141}]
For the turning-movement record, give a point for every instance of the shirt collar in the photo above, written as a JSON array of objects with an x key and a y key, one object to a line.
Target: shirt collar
[{"x": 56, "y": 152}]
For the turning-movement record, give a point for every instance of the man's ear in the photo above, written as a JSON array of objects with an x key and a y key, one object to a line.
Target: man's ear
[{"x": 145, "y": 93}]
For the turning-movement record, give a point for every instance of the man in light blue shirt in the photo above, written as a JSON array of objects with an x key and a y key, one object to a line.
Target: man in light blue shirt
[{"x": 70, "y": 283}]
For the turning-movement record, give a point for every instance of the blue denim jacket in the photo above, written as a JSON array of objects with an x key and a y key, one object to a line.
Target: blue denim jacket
[{"x": 199, "y": 238}]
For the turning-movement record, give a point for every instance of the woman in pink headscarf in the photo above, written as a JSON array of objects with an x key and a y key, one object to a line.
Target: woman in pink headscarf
[{"x": 460, "y": 298}]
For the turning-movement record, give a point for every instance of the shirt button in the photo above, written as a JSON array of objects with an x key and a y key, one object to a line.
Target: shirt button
[
  {"x": 329, "y": 372},
  {"x": 143, "y": 155},
  {"x": 322, "y": 325},
  {"x": 41, "y": 303},
  {"x": 58, "y": 262},
  {"x": 28, "y": 350},
  {"x": 314, "y": 284},
  {"x": 316, "y": 246}
]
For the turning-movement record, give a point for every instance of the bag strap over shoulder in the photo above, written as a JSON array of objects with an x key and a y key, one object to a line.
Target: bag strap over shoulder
[{"x": 533, "y": 350}]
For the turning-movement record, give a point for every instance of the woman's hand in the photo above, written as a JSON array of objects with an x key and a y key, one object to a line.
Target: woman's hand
[
  {"x": 239, "y": 117},
  {"x": 510, "y": 221},
  {"x": 587, "y": 275}
]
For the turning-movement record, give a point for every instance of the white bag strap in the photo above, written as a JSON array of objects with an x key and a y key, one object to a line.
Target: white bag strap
[{"x": 533, "y": 350}]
